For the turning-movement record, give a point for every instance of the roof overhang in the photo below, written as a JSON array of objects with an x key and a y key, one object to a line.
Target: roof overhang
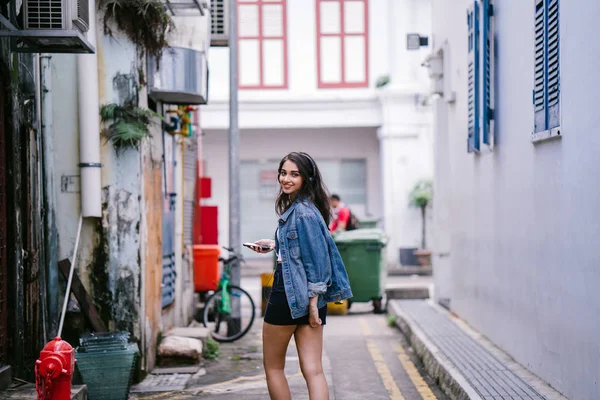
[
  {"x": 44, "y": 40},
  {"x": 186, "y": 8},
  {"x": 48, "y": 41}
]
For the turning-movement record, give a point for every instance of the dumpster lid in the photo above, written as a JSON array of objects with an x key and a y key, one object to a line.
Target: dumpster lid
[{"x": 370, "y": 235}]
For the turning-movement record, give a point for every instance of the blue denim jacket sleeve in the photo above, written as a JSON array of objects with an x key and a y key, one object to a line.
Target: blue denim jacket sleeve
[{"x": 314, "y": 252}]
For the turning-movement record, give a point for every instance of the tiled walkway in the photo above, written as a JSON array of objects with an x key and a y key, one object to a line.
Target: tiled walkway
[{"x": 487, "y": 375}]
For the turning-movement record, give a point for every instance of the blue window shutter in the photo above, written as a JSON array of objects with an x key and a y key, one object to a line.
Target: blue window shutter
[
  {"x": 488, "y": 73},
  {"x": 553, "y": 40},
  {"x": 168, "y": 255},
  {"x": 546, "y": 92},
  {"x": 539, "y": 90},
  {"x": 473, "y": 77}
]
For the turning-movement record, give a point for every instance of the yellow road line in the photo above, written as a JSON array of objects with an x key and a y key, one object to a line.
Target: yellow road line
[
  {"x": 161, "y": 395},
  {"x": 248, "y": 385},
  {"x": 384, "y": 372},
  {"x": 413, "y": 374},
  {"x": 364, "y": 325}
]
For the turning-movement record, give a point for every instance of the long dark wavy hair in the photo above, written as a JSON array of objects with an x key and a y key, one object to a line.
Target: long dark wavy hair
[{"x": 313, "y": 189}]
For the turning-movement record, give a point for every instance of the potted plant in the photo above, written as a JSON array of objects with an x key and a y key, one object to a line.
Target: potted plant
[{"x": 420, "y": 197}]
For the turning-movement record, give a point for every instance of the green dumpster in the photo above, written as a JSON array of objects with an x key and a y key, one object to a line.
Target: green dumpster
[
  {"x": 368, "y": 223},
  {"x": 364, "y": 257}
]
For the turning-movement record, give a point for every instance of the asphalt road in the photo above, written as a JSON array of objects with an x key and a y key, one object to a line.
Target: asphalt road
[{"x": 364, "y": 358}]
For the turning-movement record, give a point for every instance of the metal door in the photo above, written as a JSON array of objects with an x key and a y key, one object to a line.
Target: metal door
[
  {"x": 33, "y": 246},
  {"x": 3, "y": 235}
]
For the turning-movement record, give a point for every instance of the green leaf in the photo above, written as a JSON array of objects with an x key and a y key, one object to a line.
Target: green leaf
[
  {"x": 107, "y": 112},
  {"x": 129, "y": 123},
  {"x": 421, "y": 194}
]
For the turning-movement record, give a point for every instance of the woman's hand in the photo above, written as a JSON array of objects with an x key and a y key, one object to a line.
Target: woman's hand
[
  {"x": 270, "y": 243},
  {"x": 313, "y": 313},
  {"x": 313, "y": 316}
]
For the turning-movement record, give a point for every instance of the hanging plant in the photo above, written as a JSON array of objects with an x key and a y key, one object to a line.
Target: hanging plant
[
  {"x": 128, "y": 124},
  {"x": 145, "y": 22}
]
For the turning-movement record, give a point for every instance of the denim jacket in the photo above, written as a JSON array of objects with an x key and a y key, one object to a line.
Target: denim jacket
[{"x": 311, "y": 263}]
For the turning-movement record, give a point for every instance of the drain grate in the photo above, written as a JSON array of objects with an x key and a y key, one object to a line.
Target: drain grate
[{"x": 161, "y": 383}]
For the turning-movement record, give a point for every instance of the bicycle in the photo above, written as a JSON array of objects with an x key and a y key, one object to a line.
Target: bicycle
[{"x": 219, "y": 307}]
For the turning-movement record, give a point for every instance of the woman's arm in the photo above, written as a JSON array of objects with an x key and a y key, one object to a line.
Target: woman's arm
[{"x": 314, "y": 252}]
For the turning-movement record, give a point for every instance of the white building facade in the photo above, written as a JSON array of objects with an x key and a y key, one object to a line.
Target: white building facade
[
  {"x": 307, "y": 82},
  {"x": 514, "y": 221}
]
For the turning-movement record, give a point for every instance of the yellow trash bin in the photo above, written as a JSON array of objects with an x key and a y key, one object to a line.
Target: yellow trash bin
[
  {"x": 338, "y": 308},
  {"x": 266, "y": 282}
]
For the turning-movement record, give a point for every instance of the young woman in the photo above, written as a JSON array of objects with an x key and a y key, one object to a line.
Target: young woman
[{"x": 309, "y": 274}]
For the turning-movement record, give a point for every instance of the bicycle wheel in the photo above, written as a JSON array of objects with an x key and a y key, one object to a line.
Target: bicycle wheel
[{"x": 225, "y": 327}]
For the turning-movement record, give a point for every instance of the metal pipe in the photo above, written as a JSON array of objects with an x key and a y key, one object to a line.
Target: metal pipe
[
  {"x": 50, "y": 266},
  {"x": 70, "y": 280},
  {"x": 234, "y": 161},
  {"x": 89, "y": 125}
]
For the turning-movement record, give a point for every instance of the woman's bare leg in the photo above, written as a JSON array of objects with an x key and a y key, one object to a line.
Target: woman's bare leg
[
  {"x": 309, "y": 342},
  {"x": 275, "y": 343}
]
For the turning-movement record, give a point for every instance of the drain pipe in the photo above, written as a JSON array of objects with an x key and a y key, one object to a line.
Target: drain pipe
[{"x": 89, "y": 125}]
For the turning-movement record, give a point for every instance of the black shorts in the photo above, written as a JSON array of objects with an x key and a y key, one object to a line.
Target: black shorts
[{"x": 278, "y": 309}]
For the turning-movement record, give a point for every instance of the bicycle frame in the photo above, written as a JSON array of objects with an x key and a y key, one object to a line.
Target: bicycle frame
[
  {"x": 225, "y": 306},
  {"x": 225, "y": 282}
]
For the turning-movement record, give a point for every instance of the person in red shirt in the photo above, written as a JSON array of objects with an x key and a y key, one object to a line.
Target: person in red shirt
[{"x": 341, "y": 215}]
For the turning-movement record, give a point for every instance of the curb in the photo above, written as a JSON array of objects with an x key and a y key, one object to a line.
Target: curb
[
  {"x": 407, "y": 292},
  {"x": 448, "y": 377},
  {"x": 408, "y": 271}
]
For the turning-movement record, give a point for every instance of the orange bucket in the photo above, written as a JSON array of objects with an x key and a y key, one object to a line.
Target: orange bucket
[{"x": 206, "y": 267}]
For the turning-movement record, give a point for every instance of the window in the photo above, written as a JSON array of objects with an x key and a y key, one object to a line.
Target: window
[
  {"x": 480, "y": 75},
  {"x": 546, "y": 92},
  {"x": 342, "y": 43},
  {"x": 262, "y": 44}
]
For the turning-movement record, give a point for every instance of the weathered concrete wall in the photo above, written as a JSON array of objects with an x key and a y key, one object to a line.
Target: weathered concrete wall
[
  {"x": 121, "y": 183},
  {"x": 151, "y": 248},
  {"x": 109, "y": 254},
  {"x": 120, "y": 258}
]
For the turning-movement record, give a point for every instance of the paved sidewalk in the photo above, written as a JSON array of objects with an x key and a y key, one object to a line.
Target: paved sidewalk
[{"x": 467, "y": 365}]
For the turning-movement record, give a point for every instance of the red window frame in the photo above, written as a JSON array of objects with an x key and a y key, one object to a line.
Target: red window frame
[
  {"x": 261, "y": 38},
  {"x": 342, "y": 35}
]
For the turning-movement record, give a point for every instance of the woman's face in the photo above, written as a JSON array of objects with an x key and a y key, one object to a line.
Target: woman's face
[{"x": 290, "y": 178}]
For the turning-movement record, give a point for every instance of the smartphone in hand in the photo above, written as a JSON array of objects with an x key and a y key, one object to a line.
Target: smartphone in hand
[{"x": 256, "y": 246}]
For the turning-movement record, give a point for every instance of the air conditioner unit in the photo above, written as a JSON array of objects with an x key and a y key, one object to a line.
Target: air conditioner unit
[
  {"x": 56, "y": 14},
  {"x": 52, "y": 26},
  {"x": 219, "y": 23}
]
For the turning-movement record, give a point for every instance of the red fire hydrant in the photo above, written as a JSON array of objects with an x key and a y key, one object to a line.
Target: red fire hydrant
[{"x": 54, "y": 370}]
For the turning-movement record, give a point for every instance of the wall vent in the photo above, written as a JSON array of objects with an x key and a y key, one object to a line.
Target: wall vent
[
  {"x": 56, "y": 14},
  {"x": 219, "y": 24}
]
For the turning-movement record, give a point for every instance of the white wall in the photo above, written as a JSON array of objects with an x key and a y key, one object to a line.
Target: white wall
[
  {"x": 524, "y": 219},
  {"x": 273, "y": 144}
]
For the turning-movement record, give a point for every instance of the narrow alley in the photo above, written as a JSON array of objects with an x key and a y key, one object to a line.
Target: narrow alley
[
  {"x": 428, "y": 162},
  {"x": 364, "y": 358}
]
